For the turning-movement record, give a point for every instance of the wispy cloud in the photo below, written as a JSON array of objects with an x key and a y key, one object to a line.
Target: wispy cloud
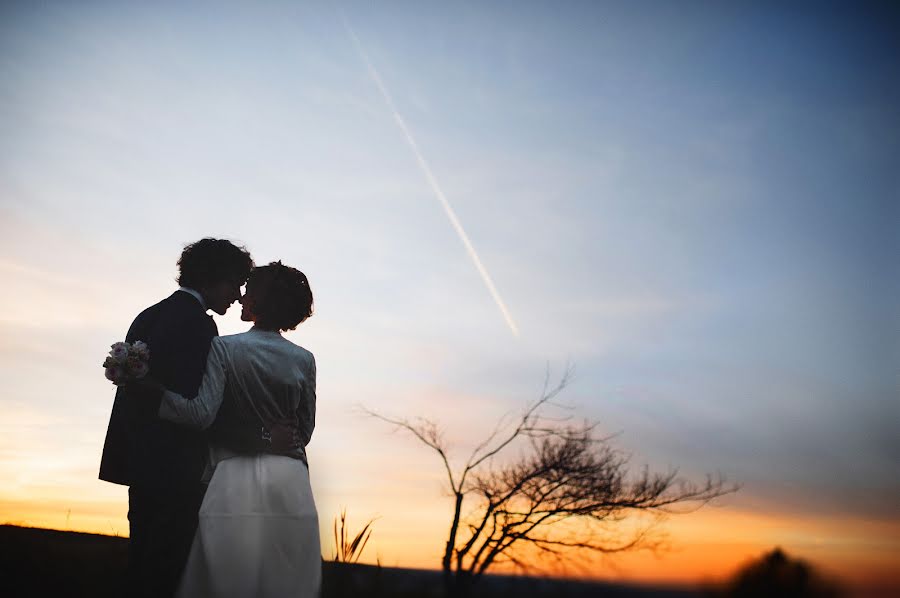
[{"x": 432, "y": 182}]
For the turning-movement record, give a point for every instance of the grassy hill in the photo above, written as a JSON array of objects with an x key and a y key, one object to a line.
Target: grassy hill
[{"x": 40, "y": 562}]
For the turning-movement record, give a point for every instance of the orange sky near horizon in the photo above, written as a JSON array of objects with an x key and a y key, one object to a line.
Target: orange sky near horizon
[
  {"x": 703, "y": 547},
  {"x": 48, "y": 486}
]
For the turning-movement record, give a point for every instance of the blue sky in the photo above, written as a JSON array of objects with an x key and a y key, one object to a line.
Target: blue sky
[{"x": 693, "y": 203}]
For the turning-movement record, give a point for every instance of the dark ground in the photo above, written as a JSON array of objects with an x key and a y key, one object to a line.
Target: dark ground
[{"x": 37, "y": 562}]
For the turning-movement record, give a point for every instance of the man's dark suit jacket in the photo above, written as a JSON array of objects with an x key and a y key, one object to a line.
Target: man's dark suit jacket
[{"x": 142, "y": 450}]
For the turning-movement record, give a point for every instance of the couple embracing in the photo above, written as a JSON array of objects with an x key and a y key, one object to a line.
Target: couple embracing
[{"x": 212, "y": 443}]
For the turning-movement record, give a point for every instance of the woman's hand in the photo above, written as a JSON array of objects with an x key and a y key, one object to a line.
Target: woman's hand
[{"x": 284, "y": 435}]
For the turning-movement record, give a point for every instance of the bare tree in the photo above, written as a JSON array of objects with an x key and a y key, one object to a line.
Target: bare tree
[{"x": 566, "y": 493}]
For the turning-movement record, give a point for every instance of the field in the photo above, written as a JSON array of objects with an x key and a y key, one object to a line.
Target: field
[{"x": 38, "y": 562}]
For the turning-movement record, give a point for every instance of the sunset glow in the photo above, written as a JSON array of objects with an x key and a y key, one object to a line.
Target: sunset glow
[{"x": 694, "y": 205}]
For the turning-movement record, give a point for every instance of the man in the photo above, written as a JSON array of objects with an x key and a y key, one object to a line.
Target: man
[{"x": 161, "y": 462}]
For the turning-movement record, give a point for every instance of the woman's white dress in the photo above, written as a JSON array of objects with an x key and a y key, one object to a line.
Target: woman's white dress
[{"x": 259, "y": 530}]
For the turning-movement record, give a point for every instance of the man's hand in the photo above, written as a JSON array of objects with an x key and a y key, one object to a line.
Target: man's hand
[{"x": 284, "y": 434}]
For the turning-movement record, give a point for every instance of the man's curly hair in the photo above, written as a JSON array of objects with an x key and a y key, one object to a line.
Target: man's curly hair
[
  {"x": 209, "y": 261},
  {"x": 282, "y": 296}
]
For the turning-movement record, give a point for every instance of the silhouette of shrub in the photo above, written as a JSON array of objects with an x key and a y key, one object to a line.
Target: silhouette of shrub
[{"x": 775, "y": 575}]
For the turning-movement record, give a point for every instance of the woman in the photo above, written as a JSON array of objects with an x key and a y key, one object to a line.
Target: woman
[{"x": 259, "y": 531}]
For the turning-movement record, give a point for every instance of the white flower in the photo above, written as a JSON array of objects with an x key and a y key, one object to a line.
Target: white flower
[
  {"x": 119, "y": 351},
  {"x": 140, "y": 349}
]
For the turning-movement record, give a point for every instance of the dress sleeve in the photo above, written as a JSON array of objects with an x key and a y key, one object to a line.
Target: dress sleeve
[
  {"x": 306, "y": 410},
  {"x": 199, "y": 412}
]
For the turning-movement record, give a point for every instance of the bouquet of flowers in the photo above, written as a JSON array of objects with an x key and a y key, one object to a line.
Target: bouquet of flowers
[{"x": 127, "y": 362}]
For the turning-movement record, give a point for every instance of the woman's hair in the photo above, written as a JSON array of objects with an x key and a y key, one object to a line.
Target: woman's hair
[
  {"x": 281, "y": 294},
  {"x": 209, "y": 261}
]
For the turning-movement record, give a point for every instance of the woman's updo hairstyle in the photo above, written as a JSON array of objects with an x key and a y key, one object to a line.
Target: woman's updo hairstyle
[{"x": 282, "y": 297}]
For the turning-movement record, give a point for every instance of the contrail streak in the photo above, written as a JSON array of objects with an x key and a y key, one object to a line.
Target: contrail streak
[{"x": 429, "y": 176}]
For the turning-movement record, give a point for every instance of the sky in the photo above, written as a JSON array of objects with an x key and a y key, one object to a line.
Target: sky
[{"x": 694, "y": 204}]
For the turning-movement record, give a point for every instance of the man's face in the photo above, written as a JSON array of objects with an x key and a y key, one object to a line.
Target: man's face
[{"x": 220, "y": 295}]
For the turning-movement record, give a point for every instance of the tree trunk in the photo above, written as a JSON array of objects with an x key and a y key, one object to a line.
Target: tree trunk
[{"x": 447, "y": 562}]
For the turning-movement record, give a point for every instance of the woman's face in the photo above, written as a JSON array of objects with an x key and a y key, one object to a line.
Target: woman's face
[{"x": 247, "y": 302}]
